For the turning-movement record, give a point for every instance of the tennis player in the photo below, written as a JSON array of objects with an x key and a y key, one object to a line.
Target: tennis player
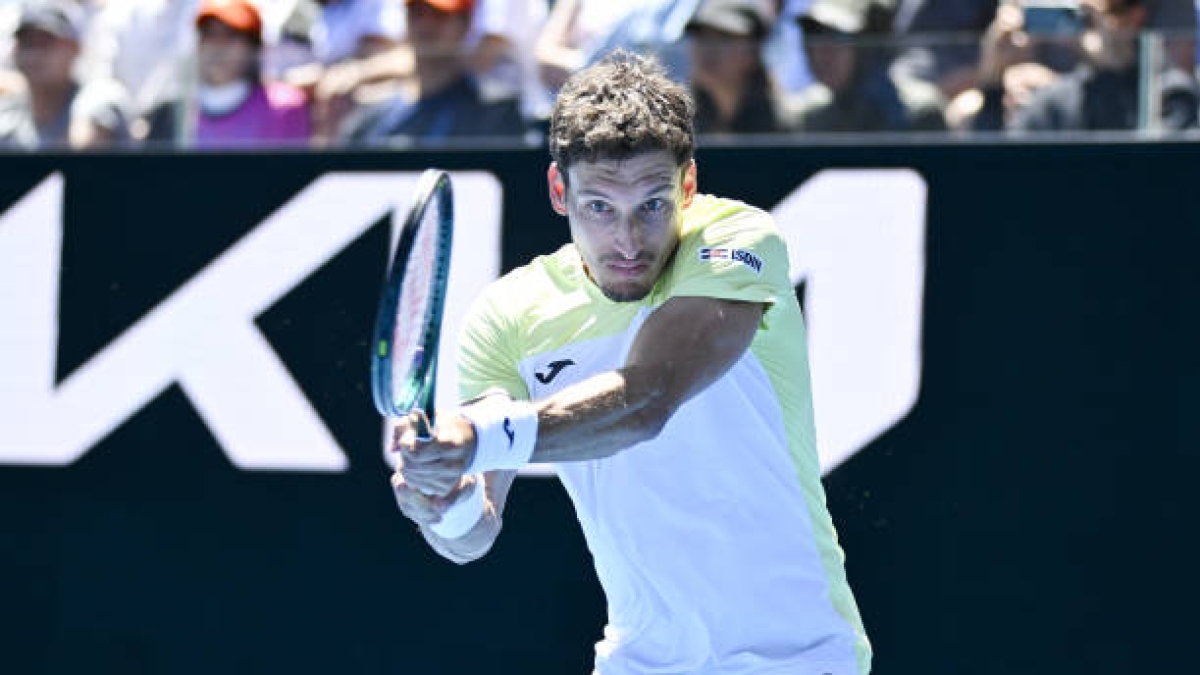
[{"x": 659, "y": 362}]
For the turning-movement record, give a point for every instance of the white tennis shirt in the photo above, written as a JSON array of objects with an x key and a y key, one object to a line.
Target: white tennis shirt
[{"x": 712, "y": 541}]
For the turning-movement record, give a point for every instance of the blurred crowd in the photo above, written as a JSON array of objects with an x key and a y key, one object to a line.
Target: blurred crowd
[{"x": 329, "y": 73}]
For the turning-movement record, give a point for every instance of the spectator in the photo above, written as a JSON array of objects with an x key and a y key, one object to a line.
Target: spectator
[
  {"x": 233, "y": 105},
  {"x": 50, "y": 108},
  {"x": 501, "y": 46},
  {"x": 325, "y": 42},
  {"x": 784, "y": 49},
  {"x": 1008, "y": 74},
  {"x": 443, "y": 100},
  {"x": 729, "y": 80},
  {"x": 143, "y": 44},
  {"x": 654, "y": 28},
  {"x": 574, "y": 32},
  {"x": 1102, "y": 92},
  {"x": 941, "y": 40},
  {"x": 347, "y": 29},
  {"x": 947, "y": 35},
  {"x": 499, "y": 50},
  {"x": 359, "y": 53},
  {"x": 148, "y": 44},
  {"x": 288, "y": 36},
  {"x": 856, "y": 90}
]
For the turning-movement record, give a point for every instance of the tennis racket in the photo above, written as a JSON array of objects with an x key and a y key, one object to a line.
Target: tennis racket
[{"x": 409, "y": 322}]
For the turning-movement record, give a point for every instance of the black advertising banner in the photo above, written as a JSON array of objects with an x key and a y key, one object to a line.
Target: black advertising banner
[{"x": 192, "y": 477}]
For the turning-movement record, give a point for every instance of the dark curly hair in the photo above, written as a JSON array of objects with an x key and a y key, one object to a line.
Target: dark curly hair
[{"x": 618, "y": 107}]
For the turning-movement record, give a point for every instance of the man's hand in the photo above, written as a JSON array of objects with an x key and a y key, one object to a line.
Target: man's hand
[
  {"x": 423, "y": 509},
  {"x": 434, "y": 467},
  {"x": 1005, "y": 44}
]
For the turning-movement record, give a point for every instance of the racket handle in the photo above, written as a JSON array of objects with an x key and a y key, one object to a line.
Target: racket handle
[{"x": 422, "y": 425}]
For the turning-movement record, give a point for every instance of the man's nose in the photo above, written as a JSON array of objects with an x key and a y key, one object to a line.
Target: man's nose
[{"x": 627, "y": 239}]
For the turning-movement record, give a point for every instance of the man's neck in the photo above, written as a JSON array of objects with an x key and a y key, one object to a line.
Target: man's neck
[{"x": 47, "y": 103}]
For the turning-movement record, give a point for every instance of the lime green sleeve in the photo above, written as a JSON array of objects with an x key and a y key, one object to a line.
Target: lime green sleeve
[
  {"x": 733, "y": 252},
  {"x": 488, "y": 352}
]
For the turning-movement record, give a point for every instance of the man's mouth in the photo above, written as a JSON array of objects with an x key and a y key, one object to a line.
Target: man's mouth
[{"x": 627, "y": 268}]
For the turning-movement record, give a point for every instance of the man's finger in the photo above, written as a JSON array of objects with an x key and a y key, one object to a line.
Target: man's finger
[
  {"x": 433, "y": 485},
  {"x": 414, "y": 504},
  {"x": 403, "y": 436},
  {"x": 435, "y": 453},
  {"x": 450, "y": 471},
  {"x": 424, "y": 455}
]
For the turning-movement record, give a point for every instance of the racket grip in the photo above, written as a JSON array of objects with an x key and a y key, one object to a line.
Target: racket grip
[{"x": 422, "y": 425}]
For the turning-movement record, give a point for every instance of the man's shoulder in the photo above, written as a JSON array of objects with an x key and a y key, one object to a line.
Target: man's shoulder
[
  {"x": 713, "y": 220},
  {"x": 529, "y": 286},
  {"x": 728, "y": 249},
  {"x": 544, "y": 305}
]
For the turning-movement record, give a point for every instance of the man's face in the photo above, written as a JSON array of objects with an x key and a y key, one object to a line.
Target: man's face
[
  {"x": 718, "y": 57},
  {"x": 625, "y": 217},
  {"x": 44, "y": 58},
  {"x": 434, "y": 33},
  {"x": 1110, "y": 42},
  {"x": 225, "y": 54},
  {"x": 832, "y": 57}
]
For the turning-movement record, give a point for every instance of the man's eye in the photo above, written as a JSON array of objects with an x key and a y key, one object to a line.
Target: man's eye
[
  {"x": 654, "y": 205},
  {"x": 597, "y": 207}
]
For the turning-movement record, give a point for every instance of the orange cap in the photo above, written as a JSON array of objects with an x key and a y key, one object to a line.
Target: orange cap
[
  {"x": 239, "y": 15},
  {"x": 447, "y": 6}
]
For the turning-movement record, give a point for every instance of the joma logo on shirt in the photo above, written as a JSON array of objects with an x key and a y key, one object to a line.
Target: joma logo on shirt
[
  {"x": 553, "y": 369},
  {"x": 739, "y": 254}
]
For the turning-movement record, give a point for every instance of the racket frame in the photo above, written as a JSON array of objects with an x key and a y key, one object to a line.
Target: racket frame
[{"x": 417, "y": 398}]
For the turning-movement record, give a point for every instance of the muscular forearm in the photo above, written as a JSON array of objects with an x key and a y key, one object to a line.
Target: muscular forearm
[
  {"x": 590, "y": 420},
  {"x": 603, "y": 415},
  {"x": 612, "y": 411}
]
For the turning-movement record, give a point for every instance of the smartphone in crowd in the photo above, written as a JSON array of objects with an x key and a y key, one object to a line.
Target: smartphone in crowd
[{"x": 1052, "y": 17}]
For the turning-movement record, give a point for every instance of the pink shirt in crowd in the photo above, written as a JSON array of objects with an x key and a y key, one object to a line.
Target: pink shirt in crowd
[{"x": 274, "y": 114}]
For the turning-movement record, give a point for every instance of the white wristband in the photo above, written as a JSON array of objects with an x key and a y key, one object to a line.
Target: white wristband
[
  {"x": 505, "y": 433},
  {"x": 461, "y": 518}
]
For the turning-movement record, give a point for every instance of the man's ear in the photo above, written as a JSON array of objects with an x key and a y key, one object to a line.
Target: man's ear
[
  {"x": 689, "y": 183},
  {"x": 558, "y": 189}
]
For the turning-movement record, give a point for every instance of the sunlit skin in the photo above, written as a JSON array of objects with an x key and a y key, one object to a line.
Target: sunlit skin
[{"x": 625, "y": 217}]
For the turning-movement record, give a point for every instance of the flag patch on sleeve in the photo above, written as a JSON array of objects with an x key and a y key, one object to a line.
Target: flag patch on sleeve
[{"x": 741, "y": 255}]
